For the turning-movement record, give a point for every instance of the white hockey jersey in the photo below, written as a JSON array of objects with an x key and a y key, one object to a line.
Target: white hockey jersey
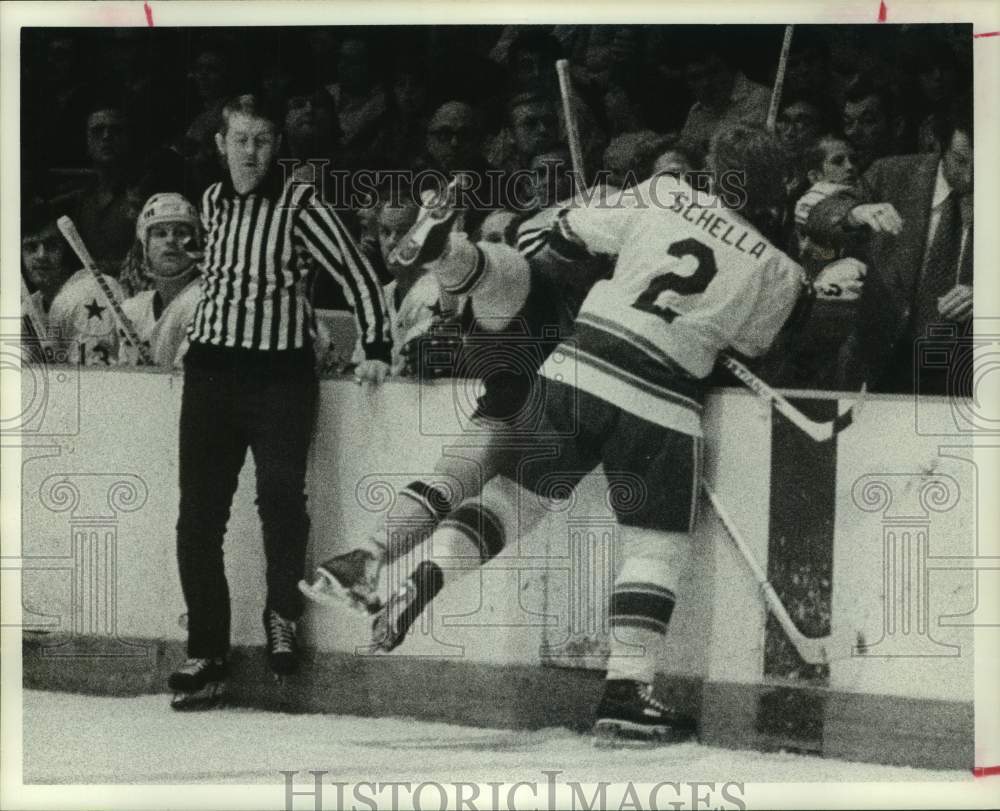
[
  {"x": 81, "y": 315},
  {"x": 692, "y": 279},
  {"x": 161, "y": 330}
]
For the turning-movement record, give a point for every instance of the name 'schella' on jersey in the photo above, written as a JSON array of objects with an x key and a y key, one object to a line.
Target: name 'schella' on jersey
[{"x": 706, "y": 216}]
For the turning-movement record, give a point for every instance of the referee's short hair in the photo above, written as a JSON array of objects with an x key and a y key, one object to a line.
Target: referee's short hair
[{"x": 251, "y": 106}]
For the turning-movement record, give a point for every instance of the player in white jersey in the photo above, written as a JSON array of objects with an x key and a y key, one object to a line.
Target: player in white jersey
[
  {"x": 69, "y": 309},
  {"x": 168, "y": 229},
  {"x": 694, "y": 276}
]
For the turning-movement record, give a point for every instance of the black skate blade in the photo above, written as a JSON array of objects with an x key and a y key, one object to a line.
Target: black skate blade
[
  {"x": 617, "y": 734},
  {"x": 211, "y": 696}
]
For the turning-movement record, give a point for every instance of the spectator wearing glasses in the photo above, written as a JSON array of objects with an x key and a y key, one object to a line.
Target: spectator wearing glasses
[
  {"x": 104, "y": 211},
  {"x": 454, "y": 145}
]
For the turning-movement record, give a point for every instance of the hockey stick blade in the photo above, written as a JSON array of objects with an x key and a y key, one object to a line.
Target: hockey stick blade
[{"x": 818, "y": 431}]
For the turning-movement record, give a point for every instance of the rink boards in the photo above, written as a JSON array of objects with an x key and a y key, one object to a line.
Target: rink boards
[{"x": 871, "y": 539}]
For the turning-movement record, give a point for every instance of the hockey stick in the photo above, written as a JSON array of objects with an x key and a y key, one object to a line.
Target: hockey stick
[
  {"x": 572, "y": 133},
  {"x": 813, "y": 650},
  {"x": 818, "y": 431},
  {"x": 68, "y": 229},
  {"x": 779, "y": 79},
  {"x": 32, "y": 319}
]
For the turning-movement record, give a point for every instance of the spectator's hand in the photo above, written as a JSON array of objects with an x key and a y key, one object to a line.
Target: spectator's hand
[
  {"x": 956, "y": 304},
  {"x": 371, "y": 371},
  {"x": 882, "y": 218}
]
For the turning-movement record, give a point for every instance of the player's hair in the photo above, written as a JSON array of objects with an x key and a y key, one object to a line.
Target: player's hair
[
  {"x": 690, "y": 151},
  {"x": 814, "y": 154},
  {"x": 251, "y": 106},
  {"x": 751, "y": 158}
]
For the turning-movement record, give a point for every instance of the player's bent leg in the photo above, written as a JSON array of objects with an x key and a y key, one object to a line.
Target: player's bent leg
[
  {"x": 352, "y": 578},
  {"x": 471, "y": 536},
  {"x": 642, "y": 602}
]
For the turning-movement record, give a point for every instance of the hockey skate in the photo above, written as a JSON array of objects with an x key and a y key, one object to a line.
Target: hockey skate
[
  {"x": 405, "y": 606},
  {"x": 348, "y": 579},
  {"x": 198, "y": 684},
  {"x": 282, "y": 646},
  {"x": 428, "y": 237},
  {"x": 628, "y": 715}
]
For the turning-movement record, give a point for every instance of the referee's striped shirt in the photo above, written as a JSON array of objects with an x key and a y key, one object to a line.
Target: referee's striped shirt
[{"x": 258, "y": 248}]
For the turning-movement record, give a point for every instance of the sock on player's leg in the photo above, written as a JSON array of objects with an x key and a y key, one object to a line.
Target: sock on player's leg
[
  {"x": 461, "y": 265},
  {"x": 471, "y": 535},
  {"x": 642, "y": 600},
  {"x": 415, "y": 515}
]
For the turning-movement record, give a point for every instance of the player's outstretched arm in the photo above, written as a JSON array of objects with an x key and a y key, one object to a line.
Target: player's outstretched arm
[{"x": 594, "y": 222}]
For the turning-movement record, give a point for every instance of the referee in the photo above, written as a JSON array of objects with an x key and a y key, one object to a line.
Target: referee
[{"x": 250, "y": 382}]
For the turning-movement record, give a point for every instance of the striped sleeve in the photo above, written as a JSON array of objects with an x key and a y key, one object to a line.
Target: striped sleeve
[
  {"x": 546, "y": 232},
  {"x": 586, "y": 225},
  {"x": 323, "y": 234},
  {"x": 206, "y": 203}
]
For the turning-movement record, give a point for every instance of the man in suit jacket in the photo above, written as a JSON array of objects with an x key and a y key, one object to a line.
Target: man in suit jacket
[{"x": 914, "y": 216}]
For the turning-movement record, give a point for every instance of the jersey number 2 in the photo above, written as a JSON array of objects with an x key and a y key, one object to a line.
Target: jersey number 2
[{"x": 687, "y": 285}]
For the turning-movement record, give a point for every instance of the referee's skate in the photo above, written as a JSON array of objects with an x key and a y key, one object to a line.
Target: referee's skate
[{"x": 198, "y": 684}]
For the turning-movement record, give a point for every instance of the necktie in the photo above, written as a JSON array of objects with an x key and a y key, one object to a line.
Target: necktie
[
  {"x": 941, "y": 268},
  {"x": 965, "y": 275}
]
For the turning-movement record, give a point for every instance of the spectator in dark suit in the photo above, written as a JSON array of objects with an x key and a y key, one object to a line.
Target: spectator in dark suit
[
  {"x": 872, "y": 122},
  {"x": 917, "y": 212}
]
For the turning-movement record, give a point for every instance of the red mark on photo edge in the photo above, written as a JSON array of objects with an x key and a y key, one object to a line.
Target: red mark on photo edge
[
  {"x": 882, "y": 12},
  {"x": 986, "y": 771},
  {"x": 149, "y": 14},
  {"x": 987, "y": 34}
]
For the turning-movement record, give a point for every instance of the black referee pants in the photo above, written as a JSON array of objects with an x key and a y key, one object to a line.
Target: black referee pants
[{"x": 234, "y": 400}]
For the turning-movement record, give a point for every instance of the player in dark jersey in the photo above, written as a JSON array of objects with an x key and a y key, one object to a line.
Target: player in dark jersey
[{"x": 500, "y": 346}]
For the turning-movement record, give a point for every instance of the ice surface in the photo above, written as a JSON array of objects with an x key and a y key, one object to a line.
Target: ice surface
[{"x": 86, "y": 739}]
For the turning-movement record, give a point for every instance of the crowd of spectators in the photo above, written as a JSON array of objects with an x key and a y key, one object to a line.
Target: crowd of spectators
[{"x": 111, "y": 117}]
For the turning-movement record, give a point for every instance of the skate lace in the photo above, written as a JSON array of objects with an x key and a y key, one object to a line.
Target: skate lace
[
  {"x": 192, "y": 667},
  {"x": 646, "y": 694},
  {"x": 400, "y": 600},
  {"x": 281, "y": 633}
]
